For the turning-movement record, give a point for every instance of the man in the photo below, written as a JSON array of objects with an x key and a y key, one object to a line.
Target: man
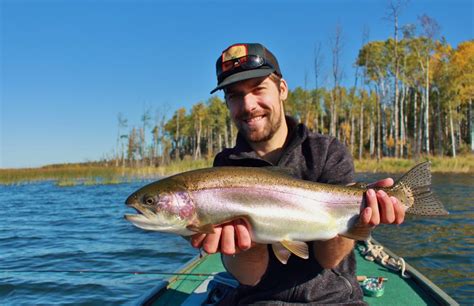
[{"x": 255, "y": 93}]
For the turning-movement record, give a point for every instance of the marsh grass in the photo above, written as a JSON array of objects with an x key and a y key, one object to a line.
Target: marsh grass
[
  {"x": 82, "y": 174},
  {"x": 461, "y": 164}
]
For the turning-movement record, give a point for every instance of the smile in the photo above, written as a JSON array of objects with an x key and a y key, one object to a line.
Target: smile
[{"x": 254, "y": 119}]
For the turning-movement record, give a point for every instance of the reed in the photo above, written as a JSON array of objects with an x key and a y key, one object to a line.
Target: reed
[
  {"x": 460, "y": 164},
  {"x": 84, "y": 174}
]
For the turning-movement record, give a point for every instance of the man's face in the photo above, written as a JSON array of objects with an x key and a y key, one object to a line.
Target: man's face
[{"x": 256, "y": 107}]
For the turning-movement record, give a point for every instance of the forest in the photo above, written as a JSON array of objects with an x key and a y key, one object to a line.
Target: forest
[{"x": 412, "y": 96}]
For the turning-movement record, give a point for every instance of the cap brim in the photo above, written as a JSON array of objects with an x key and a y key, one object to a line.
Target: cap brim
[{"x": 244, "y": 75}]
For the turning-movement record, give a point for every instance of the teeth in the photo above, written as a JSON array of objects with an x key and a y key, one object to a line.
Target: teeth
[{"x": 254, "y": 119}]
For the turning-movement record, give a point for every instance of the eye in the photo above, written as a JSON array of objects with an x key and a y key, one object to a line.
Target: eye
[
  {"x": 259, "y": 89},
  {"x": 149, "y": 200}
]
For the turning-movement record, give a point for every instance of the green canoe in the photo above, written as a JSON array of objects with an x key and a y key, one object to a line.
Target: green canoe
[{"x": 191, "y": 284}]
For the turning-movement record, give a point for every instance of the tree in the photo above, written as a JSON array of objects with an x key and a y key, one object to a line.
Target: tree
[
  {"x": 393, "y": 15},
  {"x": 198, "y": 114},
  {"x": 146, "y": 117},
  {"x": 132, "y": 147},
  {"x": 120, "y": 146},
  {"x": 336, "y": 48},
  {"x": 374, "y": 59},
  {"x": 219, "y": 121},
  {"x": 431, "y": 28},
  {"x": 174, "y": 129}
]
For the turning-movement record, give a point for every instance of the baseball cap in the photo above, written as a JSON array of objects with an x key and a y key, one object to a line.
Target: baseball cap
[{"x": 244, "y": 61}]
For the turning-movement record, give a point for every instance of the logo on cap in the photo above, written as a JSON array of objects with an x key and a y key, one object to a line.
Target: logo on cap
[{"x": 234, "y": 52}]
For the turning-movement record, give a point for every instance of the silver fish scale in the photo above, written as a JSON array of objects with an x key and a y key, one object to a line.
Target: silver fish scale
[{"x": 277, "y": 214}]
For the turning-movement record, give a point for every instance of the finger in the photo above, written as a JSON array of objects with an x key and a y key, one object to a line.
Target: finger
[
  {"x": 211, "y": 242},
  {"x": 365, "y": 215},
  {"x": 387, "y": 182},
  {"x": 399, "y": 211},
  {"x": 371, "y": 198},
  {"x": 387, "y": 214},
  {"x": 228, "y": 240},
  {"x": 244, "y": 242},
  {"x": 197, "y": 239}
]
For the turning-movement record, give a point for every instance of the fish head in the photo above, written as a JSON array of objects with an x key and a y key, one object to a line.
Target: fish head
[{"x": 161, "y": 208}]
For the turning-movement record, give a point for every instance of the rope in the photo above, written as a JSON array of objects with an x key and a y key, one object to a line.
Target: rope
[{"x": 374, "y": 252}]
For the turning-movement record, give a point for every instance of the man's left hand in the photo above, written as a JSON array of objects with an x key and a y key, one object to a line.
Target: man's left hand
[{"x": 380, "y": 207}]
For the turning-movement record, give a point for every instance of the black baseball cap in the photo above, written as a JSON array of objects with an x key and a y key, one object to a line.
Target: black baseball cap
[{"x": 244, "y": 61}]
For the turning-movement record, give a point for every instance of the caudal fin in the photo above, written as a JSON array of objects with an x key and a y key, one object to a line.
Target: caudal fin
[{"x": 417, "y": 186}]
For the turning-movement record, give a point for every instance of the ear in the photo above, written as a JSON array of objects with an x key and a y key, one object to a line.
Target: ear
[{"x": 283, "y": 90}]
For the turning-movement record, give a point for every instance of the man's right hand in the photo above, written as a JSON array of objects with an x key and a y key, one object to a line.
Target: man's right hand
[{"x": 228, "y": 238}]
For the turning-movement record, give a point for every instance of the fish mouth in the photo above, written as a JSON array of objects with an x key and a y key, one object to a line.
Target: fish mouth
[
  {"x": 147, "y": 220},
  {"x": 132, "y": 201},
  {"x": 141, "y": 211}
]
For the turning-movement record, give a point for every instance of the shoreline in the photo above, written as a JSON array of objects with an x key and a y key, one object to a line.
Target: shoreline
[{"x": 95, "y": 173}]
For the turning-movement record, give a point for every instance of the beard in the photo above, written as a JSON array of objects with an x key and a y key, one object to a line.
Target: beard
[{"x": 260, "y": 134}]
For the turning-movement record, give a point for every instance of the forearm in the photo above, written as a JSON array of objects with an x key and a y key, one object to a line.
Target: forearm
[
  {"x": 331, "y": 252},
  {"x": 248, "y": 266}
]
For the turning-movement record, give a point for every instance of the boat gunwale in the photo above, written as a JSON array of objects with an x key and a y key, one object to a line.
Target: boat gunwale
[{"x": 156, "y": 292}]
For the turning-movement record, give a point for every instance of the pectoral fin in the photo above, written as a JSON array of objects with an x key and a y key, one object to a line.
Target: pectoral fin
[{"x": 204, "y": 229}]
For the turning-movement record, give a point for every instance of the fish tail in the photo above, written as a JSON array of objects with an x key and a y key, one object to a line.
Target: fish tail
[{"x": 416, "y": 186}]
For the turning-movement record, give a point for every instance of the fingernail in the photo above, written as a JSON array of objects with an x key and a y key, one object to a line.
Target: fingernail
[
  {"x": 381, "y": 193},
  {"x": 371, "y": 192}
]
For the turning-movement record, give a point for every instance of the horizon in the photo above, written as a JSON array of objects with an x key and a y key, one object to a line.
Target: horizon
[{"x": 69, "y": 68}]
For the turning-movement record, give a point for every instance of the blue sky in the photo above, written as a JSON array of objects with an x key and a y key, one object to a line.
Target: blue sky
[{"x": 68, "y": 67}]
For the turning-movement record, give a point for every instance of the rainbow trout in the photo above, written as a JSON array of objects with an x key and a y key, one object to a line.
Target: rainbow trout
[{"x": 279, "y": 209}]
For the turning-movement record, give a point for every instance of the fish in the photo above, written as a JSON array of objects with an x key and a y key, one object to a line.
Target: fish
[{"x": 278, "y": 208}]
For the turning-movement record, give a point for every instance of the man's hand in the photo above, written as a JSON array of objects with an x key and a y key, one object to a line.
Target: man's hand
[
  {"x": 229, "y": 238},
  {"x": 381, "y": 208},
  {"x": 233, "y": 238}
]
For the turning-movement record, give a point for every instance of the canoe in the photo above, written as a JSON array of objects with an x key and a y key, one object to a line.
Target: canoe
[{"x": 203, "y": 279}]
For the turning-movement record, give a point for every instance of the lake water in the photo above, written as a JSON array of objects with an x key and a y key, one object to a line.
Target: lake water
[{"x": 46, "y": 227}]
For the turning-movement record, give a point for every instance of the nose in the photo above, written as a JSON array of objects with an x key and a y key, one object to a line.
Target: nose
[{"x": 249, "y": 102}]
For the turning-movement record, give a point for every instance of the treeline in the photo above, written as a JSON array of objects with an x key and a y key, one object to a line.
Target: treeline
[
  {"x": 199, "y": 133},
  {"x": 412, "y": 96}
]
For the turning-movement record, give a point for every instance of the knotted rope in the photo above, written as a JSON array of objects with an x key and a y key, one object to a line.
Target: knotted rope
[{"x": 375, "y": 252}]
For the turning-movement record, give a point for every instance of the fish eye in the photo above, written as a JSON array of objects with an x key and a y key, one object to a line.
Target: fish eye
[{"x": 149, "y": 200}]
